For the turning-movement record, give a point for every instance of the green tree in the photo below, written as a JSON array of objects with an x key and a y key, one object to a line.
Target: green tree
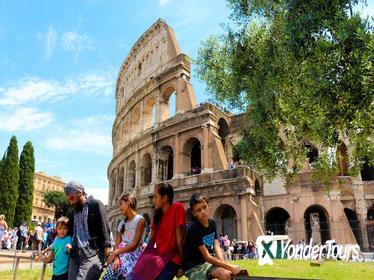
[
  {"x": 9, "y": 181},
  {"x": 303, "y": 72},
  {"x": 26, "y": 184},
  {"x": 58, "y": 200}
]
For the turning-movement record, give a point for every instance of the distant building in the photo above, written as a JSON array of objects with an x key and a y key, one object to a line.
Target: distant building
[{"x": 44, "y": 183}]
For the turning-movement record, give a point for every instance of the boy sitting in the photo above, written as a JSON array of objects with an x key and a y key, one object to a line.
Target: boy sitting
[{"x": 201, "y": 243}]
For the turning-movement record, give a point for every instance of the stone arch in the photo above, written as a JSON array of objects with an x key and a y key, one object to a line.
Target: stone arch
[
  {"x": 226, "y": 218},
  {"x": 166, "y": 163},
  {"x": 146, "y": 169},
  {"x": 135, "y": 121},
  {"x": 367, "y": 171},
  {"x": 223, "y": 132},
  {"x": 191, "y": 161},
  {"x": 370, "y": 225},
  {"x": 149, "y": 112},
  {"x": 354, "y": 224},
  {"x": 168, "y": 103},
  {"x": 131, "y": 175},
  {"x": 316, "y": 222},
  {"x": 125, "y": 129},
  {"x": 276, "y": 220}
]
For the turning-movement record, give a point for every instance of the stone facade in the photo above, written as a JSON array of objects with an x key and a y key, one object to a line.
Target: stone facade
[
  {"x": 161, "y": 134},
  {"x": 44, "y": 183}
]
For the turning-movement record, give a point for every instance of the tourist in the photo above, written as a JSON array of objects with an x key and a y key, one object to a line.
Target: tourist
[
  {"x": 167, "y": 232},
  {"x": 3, "y": 227},
  {"x": 128, "y": 245},
  {"x": 44, "y": 239},
  {"x": 89, "y": 227},
  {"x": 22, "y": 236},
  {"x": 201, "y": 243},
  {"x": 38, "y": 235},
  {"x": 60, "y": 247}
]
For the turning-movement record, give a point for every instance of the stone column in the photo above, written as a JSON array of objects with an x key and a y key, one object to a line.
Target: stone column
[
  {"x": 138, "y": 179},
  {"x": 130, "y": 122},
  {"x": 244, "y": 217},
  {"x": 141, "y": 115},
  {"x": 154, "y": 168},
  {"x": 176, "y": 157},
  {"x": 206, "y": 167},
  {"x": 125, "y": 186}
]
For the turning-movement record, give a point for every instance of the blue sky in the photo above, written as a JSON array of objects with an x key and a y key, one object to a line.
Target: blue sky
[{"x": 59, "y": 61}]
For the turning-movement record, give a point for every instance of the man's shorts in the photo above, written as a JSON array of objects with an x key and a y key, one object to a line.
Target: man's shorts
[{"x": 201, "y": 272}]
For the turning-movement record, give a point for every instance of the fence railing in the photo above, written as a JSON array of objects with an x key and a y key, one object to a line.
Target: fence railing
[{"x": 17, "y": 259}]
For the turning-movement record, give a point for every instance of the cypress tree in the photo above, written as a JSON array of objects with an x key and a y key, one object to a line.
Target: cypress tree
[
  {"x": 9, "y": 181},
  {"x": 26, "y": 184}
]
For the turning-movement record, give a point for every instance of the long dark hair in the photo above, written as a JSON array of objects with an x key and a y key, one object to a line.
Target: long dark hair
[
  {"x": 163, "y": 189},
  {"x": 133, "y": 203}
]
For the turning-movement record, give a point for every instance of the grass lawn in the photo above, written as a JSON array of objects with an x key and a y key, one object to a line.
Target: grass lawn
[{"x": 280, "y": 268}]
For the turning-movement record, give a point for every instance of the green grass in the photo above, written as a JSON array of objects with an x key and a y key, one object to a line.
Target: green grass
[
  {"x": 302, "y": 269},
  {"x": 281, "y": 268}
]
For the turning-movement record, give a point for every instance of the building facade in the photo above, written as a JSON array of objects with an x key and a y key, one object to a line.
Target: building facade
[
  {"x": 44, "y": 183},
  {"x": 160, "y": 134}
]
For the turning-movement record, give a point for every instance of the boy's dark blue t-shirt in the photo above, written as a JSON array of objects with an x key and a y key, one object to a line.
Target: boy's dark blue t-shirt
[{"x": 198, "y": 235}]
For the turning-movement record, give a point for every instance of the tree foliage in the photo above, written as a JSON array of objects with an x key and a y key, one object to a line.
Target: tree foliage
[
  {"x": 26, "y": 184},
  {"x": 303, "y": 71},
  {"x": 58, "y": 200},
  {"x": 9, "y": 181}
]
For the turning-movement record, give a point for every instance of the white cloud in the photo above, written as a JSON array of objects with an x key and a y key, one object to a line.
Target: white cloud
[
  {"x": 164, "y": 2},
  {"x": 90, "y": 134},
  {"x": 34, "y": 89},
  {"x": 25, "y": 119},
  {"x": 76, "y": 42}
]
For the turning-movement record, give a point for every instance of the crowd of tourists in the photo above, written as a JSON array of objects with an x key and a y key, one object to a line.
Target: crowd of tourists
[
  {"x": 80, "y": 246},
  {"x": 27, "y": 237}
]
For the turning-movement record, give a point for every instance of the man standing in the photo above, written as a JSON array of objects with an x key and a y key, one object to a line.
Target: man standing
[
  {"x": 38, "y": 234},
  {"x": 90, "y": 232}
]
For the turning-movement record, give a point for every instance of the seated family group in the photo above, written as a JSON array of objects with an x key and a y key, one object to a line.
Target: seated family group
[{"x": 82, "y": 246}]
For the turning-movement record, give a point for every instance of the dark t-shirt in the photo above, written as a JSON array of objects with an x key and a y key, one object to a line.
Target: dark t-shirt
[{"x": 196, "y": 236}]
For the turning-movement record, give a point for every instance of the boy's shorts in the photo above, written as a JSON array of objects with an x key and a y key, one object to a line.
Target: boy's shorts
[{"x": 201, "y": 272}]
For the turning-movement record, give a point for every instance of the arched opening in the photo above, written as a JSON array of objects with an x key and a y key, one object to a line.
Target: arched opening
[
  {"x": 121, "y": 181},
  {"x": 367, "y": 171},
  {"x": 112, "y": 188},
  {"x": 125, "y": 130},
  {"x": 355, "y": 225},
  {"x": 226, "y": 220},
  {"x": 166, "y": 163},
  {"x": 370, "y": 226},
  {"x": 192, "y": 156},
  {"x": 169, "y": 103},
  {"x": 257, "y": 187},
  {"x": 342, "y": 157},
  {"x": 275, "y": 221},
  {"x": 135, "y": 124},
  {"x": 311, "y": 153},
  {"x": 149, "y": 113},
  {"x": 223, "y": 132},
  {"x": 131, "y": 175},
  {"x": 146, "y": 169},
  {"x": 316, "y": 223}
]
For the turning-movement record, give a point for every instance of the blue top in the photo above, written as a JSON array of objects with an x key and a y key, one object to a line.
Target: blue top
[{"x": 61, "y": 255}]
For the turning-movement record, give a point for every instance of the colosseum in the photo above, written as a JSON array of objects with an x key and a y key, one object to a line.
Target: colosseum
[{"x": 161, "y": 134}]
